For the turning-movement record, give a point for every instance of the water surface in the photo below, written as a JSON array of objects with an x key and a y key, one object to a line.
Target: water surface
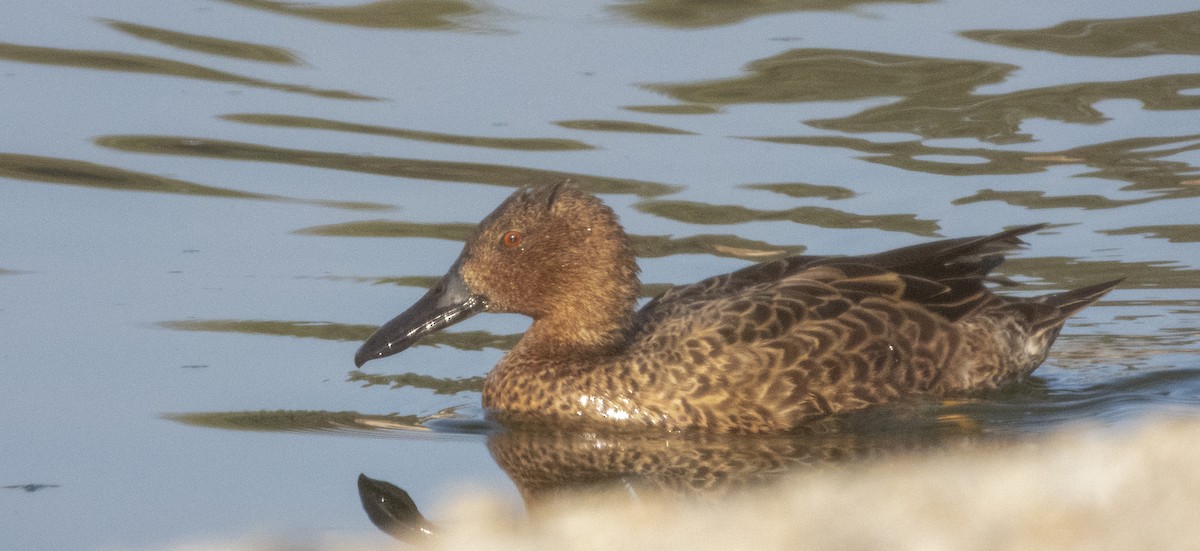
[{"x": 206, "y": 204}]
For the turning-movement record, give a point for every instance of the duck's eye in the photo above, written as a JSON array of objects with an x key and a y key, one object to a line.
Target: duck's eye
[{"x": 511, "y": 239}]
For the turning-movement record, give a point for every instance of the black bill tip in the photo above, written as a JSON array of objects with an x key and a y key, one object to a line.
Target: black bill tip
[{"x": 446, "y": 303}]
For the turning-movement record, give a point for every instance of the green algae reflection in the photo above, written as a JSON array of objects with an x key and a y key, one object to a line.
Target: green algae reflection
[
  {"x": 443, "y": 423},
  {"x": 438, "y": 385},
  {"x": 52, "y": 170},
  {"x": 392, "y": 228},
  {"x": 693, "y": 212},
  {"x": 1064, "y": 272},
  {"x": 677, "y": 109},
  {"x": 620, "y": 126},
  {"x": 725, "y": 245},
  {"x": 462, "y": 340},
  {"x": 381, "y": 14},
  {"x": 293, "y": 420},
  {"x": 81, "y": 173},
  {"x": 313, "y": 123},
  {"x": 1149, "y": 164},
  {"x": 135, "y": 63},
  {"x": 997, "y": 118},
  {"x": 803, "y": 190},
  {"x": 646, "y": 246},
  {"x": 937, "y": 98},
  {"x": 421, "y": 169},
  {"x": 691, "y": 14},
  {"x": 1181, "y": 233},
  {"x": 1171, "y": 34},
  {"x": 207, "y": 44},
  {"x": 814, "y": 74}
]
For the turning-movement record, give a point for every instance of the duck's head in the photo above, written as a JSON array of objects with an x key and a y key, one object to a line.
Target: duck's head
[{"x": 554, "y": 253}]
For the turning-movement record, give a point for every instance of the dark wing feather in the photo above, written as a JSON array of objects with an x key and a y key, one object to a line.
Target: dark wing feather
[
  {"x": 951, "y": 258},
  {"x": 950, "y": 298},
  {"x": 946, "y": 275}
]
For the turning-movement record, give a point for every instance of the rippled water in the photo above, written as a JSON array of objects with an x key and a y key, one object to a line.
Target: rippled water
[{"x": 206, "y": 204}]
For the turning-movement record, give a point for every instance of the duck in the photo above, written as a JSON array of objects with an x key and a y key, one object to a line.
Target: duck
[{"x": 767, "y": 348}]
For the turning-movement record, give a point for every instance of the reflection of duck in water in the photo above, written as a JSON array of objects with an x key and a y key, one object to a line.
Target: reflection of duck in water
[
  {"x": 393, "y": 511},
  {"x": 543, "y": 463},
  {"x": 547, "y": 464},
  {"x": 766, "y": 348}
]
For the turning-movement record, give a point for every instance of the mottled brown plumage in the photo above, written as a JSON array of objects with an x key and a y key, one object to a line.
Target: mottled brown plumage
[{"x": 765, "y": 348}]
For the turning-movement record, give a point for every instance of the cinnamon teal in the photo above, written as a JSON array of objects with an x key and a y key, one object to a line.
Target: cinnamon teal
[{"x": 765, "y": 348}]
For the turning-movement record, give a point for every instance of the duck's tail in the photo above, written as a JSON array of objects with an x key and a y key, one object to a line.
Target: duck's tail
[{"x": 1066, "y": 304}]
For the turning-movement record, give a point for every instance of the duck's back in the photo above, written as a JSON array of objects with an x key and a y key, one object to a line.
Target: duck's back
[{"x": 776, "y": 344}]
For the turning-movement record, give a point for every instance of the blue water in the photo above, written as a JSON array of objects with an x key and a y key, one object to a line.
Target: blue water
[{"x": 204, "y": 205}]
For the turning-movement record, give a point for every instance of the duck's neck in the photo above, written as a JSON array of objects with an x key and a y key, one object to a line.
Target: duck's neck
[
  {"x": 582, "y": 335},
  {"x": 559, "y": 360},
  {"x": 592, "y": 311}
]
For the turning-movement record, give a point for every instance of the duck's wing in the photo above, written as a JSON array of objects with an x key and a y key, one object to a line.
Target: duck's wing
[
  {"x": 947, "y": 262},
  {"x": 816, "y": 294},
  {"x": 725, "y": 285},
  {"x": 851, "y": 282},
  {"x": 831, "y": 337}
]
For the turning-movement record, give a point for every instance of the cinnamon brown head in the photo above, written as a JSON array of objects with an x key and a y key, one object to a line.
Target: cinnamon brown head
[{"x": 554, "y": 253}]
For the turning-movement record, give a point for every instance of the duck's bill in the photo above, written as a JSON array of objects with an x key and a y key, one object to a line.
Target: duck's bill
[{"x": 447, "y": 303}]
